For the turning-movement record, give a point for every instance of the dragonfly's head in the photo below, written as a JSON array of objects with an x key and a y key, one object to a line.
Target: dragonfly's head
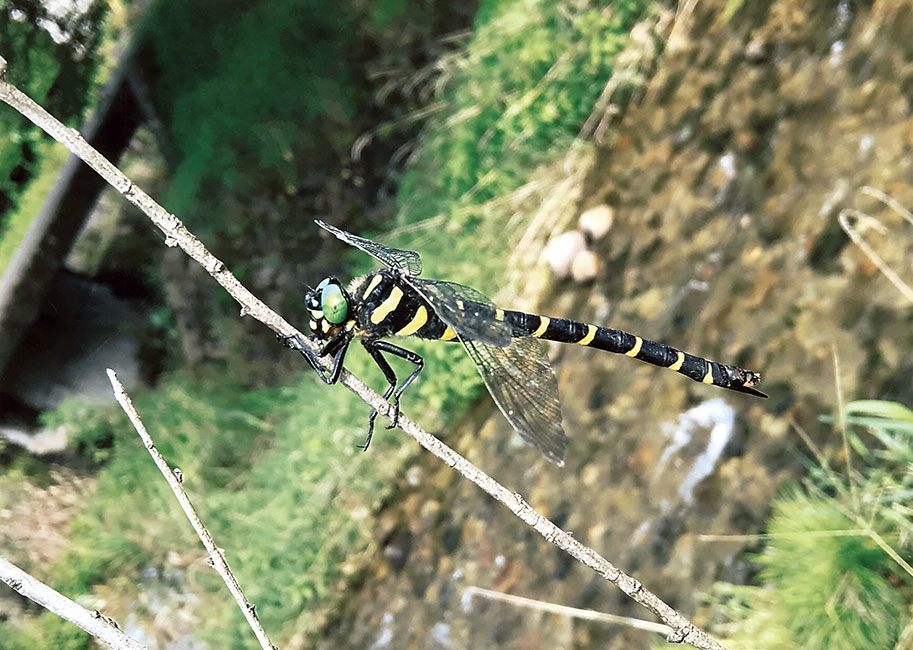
[{"x": 328, "y": 304}]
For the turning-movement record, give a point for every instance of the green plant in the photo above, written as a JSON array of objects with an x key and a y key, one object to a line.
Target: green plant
[
  {"x": 58, "y": 75},
  {"x": 46, "y": 631},
  {"x": 265, "y": 101},
  {"x": 835, "y": 572},
  {"x": 276, "y": 476},
  {"x": 516, "y": 97}
]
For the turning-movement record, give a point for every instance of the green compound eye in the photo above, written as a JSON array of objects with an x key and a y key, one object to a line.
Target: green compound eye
[{"x": 333, "y": 302}]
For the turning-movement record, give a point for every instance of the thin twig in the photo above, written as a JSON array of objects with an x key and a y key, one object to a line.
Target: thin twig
[
  {"x": 805, "y": 534},
  {"x": 103, "y": 628},
  {"x": 889, "y": 201},
  {"x": 564, "y": 610},
  {"x": 683, "y": 631},
  {"x": 857, "y": 239},
  {"x": 807, "y": 439},
  {"x": 173, "y": 476}
]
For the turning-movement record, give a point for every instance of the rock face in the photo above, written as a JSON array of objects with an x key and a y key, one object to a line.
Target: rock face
[{"x": 726, "y": 183}]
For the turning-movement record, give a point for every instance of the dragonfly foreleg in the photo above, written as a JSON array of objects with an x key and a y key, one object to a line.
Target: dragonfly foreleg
[{"x": 336, "y": 347}]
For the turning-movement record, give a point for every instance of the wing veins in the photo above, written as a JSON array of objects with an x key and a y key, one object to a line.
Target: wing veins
[
  {"x": 408, "y": 262},
  {"x": 525, "y": 389}
]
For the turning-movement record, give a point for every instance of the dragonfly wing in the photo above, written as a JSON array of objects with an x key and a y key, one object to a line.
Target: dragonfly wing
[
  {"x": 408, "y": 262},
  {"x": 470, "y": 313},
  {"x": 523, "y": 385}
]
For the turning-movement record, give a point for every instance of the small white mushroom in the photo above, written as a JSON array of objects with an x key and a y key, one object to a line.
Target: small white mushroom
[
  {"x": 586, "y": 266},
  {"x": 561, "y": 251},
  {"x": 597, "y": 221}
]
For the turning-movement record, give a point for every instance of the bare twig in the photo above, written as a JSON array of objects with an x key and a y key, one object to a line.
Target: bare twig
[
  {"x": 683, "y": 631},
  {"x": 807, "y": 439},
  {"x": 173, "y": 476},
  {"x": 101, "y": 627},
  {"x": 889, "y": 201},
  {"x": 564, "y": 610},
  {"x": 805, "y": 534},
  {"x": 853, "y": 234}
]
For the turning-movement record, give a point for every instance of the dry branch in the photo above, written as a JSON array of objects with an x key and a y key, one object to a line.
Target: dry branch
[
  {"x": 683, "y": 631},
  {"x": 174, "y": 478},
  {"x": 101, "y": 627},
  {"x": 564, "y": 610}
]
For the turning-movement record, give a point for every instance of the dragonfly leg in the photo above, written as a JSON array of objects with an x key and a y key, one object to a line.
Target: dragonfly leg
[
  {"x": 410, "y": 356},
  {"x": 389, "y": 375},
  {"x": 337, "y": 347},
  {"x": 375, "y": 348}
]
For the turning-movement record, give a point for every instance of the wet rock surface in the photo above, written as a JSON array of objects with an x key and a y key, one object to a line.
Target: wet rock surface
[{"x": 726, "y": 184}]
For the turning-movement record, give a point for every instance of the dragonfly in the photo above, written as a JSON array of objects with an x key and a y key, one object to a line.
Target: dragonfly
[{"x": 503, "y": 344}]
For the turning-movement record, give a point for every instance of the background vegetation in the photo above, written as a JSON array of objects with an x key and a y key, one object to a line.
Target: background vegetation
[
  {"x": 830, "y": 577},
  {"x": 59, "y": 76},
  {"x": 268, "y": 100},
  {"x": 277, "y": 94}
]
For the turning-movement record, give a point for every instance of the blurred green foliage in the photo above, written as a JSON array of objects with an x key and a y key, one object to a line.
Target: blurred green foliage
[
  {"x": 60, "y": 77},
  {"x": 278, "y": 483},
  {"x": 47, "y": 631},
  {"x": 835, "y": 572},
  {"x": 52, "y": 157},
  {"x": 517, "y": 96},
  {"x": 257, "y": 93}
]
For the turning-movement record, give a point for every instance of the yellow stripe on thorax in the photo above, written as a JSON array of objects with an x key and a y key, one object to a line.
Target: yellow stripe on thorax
[
  {"x": 590, "y": 335},
  {"x": 387, "y": 305},
  {"x": 633, "y": 352},
  {"x": 543, "y": 325},
  {"x": 376, "y": 280},
  {"x": 678, "y": 362},
  {"x": 420, "y": 318},
  {"x": 448, "y": 334}
]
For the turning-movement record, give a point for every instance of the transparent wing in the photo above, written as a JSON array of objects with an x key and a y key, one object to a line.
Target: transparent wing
[
  {"x": 523, "y": 385},
  {"x": 406, "y": 261},
  {"x": 469, "y": 312}
]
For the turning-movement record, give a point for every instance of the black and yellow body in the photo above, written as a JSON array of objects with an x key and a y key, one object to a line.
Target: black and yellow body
[
  {"x": 699, "y": 369},
  {"x": 394, "y": 302}
]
